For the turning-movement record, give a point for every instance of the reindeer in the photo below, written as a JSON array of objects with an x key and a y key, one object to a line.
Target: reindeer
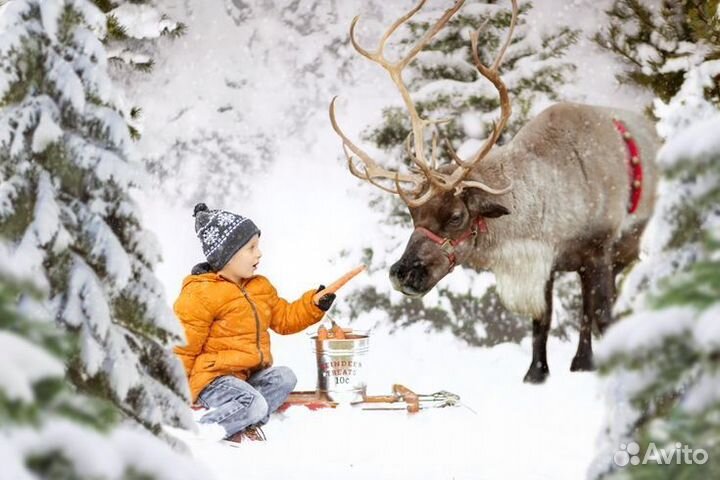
[{"x": 555, "y": 198}]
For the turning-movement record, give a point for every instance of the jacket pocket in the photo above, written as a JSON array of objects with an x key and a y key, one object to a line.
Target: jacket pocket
[{"x": 205, "y": 362}]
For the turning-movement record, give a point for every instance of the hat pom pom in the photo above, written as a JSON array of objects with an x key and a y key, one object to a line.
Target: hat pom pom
[{"x": 200, "y": 207}]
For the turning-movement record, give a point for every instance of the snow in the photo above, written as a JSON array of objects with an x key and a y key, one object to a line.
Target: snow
[
  {"x": 647, "y": 53},
  {"x": 13, "y": 464},
  {"x": 49, "y": 16},
  {"x": 633, "y": 334},
  {"x": 9, "y": 189},
  {"x": 595, "y": 74},
  {"x": 46, "y": 222},
  {"x": 142, "y": 21},
  {"x": 18, "y": 119},
  {"x": 698, "y": 141},
  {"x": 472, "y": 125},
  {"x": 148, "y": 454},
  {"x": 92, "y": 62},
  {"x": 24, "y": 364},
  {"x": 105, "y": 164},
  {"x": 107, "y": 249},
  {"x": 690, "y": 139},
  {"x": 86, "y": 300},
  {"x": 704, "y": 394},
  {"x": 499, "y": 424},
  {"x": 28, "y": 257},
  {"x": 152, "y": 293},
  {"x": 68, "y": 84},
  {"x": 46, "y": 132},
  {"x": 93, "y": 354},
  {"x": 706, "y": 331},
  {"x": 64, "y": 224},
  {"x": 689, "y": 105},
  {"x": 115, "y": 127},
  {"x": 14, "y": 31},
  {"x": 125, "y": 451},
  {"x": 239, "y": 119}
]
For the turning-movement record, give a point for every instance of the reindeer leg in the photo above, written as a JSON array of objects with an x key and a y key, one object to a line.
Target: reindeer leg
[
  {"x": 539, "y": 370},
  {"x": 604, "y": 297},
  {"x": 598, "y": 288},
  {"x": 583, "y": 360}
]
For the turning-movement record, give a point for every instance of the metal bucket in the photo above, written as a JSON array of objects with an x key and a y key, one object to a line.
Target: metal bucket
[{"x": 341, "y": 366}]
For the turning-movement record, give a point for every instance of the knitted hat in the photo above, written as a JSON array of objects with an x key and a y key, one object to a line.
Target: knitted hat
[{"x": 222, "y": 234}]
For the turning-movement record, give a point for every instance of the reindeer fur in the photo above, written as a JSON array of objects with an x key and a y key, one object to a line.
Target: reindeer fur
[{"x": 567, "y": 211}]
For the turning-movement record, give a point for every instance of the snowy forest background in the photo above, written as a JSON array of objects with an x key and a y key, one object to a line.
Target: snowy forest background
[{"x": 117, "y": 117}]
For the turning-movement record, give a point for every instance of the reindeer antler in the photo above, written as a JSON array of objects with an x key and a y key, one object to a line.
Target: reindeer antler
[
  {"x": 372, "y": 171},
  {"x": 435, "y": 180},
  {"x": 456, "y": 180}
]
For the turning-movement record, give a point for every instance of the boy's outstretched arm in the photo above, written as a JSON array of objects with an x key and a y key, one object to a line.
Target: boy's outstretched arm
[
  {"x": 196, "y": 319},
  {"x": 294, "y": 317}
]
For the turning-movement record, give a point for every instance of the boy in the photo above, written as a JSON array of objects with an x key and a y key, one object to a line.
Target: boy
[{"x": 226, "y": 311}]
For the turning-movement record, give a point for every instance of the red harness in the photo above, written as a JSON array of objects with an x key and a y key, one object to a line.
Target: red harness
[
  {"x": 634, "y": 166},
  {"x": 448, "y": 245}
]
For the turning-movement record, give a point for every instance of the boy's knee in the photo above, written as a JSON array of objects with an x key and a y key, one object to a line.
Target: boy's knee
[
  {"x": 287, "y": 377},
  {"x": 257, "y": 410}
]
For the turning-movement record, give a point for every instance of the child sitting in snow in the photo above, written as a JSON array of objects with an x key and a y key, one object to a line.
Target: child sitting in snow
[{"x": 226, "y": 311}]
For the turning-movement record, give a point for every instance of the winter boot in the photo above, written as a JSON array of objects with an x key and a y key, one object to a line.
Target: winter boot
[{"x": 254, "y": 433}]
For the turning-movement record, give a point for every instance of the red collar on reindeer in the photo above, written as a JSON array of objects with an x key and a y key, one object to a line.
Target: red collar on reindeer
[
  {"x": 448, "y": 245},
  {"x": 635, "y": 170}
]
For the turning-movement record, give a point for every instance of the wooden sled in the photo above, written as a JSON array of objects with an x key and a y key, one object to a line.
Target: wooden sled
[{"x": 402, "y": 398}]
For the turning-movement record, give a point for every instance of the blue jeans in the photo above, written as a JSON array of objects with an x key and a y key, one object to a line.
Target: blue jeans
[{"x": 235, "y": 404}]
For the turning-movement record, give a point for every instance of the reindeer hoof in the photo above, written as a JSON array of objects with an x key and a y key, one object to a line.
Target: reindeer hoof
[
  {"x": 582, "y": 363},
  {"x": 537, "y": 373}
]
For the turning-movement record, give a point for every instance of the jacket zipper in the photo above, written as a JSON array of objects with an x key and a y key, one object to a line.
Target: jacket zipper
[{"x": 257, "y": 323}]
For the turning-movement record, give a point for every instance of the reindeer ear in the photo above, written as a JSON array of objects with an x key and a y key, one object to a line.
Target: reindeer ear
[
  {"x": 493, "y": 210},
  {"x": 480, "y": 205}
]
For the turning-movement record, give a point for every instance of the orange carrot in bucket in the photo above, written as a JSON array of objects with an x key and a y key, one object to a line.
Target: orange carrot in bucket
[
  {"x": 337, "y": 284},
  {"x": 322, "y": 333},
  {"x": 337, "y": 331}
]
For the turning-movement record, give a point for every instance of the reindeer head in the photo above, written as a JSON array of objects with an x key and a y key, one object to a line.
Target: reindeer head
[
  {"x": 445, "y": 234},
  {"x": 448, "y": 204}
]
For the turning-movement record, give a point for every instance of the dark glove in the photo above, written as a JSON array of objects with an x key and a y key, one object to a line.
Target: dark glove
[{"x": 325, "y": 301}]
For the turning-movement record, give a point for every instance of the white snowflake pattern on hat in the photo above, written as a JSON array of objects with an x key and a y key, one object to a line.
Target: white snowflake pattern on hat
[
  {"x": 225, "y": 219},
  {"x": 211, "y": 235}
]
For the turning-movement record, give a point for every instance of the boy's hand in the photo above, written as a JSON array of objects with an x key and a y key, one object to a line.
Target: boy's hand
[{"x": 325, "y": 302}]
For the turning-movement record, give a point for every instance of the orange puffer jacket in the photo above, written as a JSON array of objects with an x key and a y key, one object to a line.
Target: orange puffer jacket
[{"x": 226, "y": 325}]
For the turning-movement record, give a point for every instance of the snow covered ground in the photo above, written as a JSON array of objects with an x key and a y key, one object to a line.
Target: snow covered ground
[
  {"x": 513, "y": 431},
  {"x": 250, "y": 82}
]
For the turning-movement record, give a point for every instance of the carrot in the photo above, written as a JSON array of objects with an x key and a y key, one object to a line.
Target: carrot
[
  {"x": 337, "y": 331},
  {"x": 337, "y": 284},
  {"x": 322, "y": 333}
]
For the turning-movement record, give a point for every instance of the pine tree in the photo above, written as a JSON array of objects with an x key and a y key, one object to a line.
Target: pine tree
[
  {"x": 445, "y": 84},
  {"x": 133, "y": 28},
  {"x": 671, "y": 342},
  {"x": 45, "y": 425},
  {"x": 664, "y": 356},
  {"x": 66, "y": 169},
  {"x": 246, "y": 124},
  {"x": 660, "y": 41},
  {"x": 33, "y": 391},
  {"x": 33, "y": 384}
]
